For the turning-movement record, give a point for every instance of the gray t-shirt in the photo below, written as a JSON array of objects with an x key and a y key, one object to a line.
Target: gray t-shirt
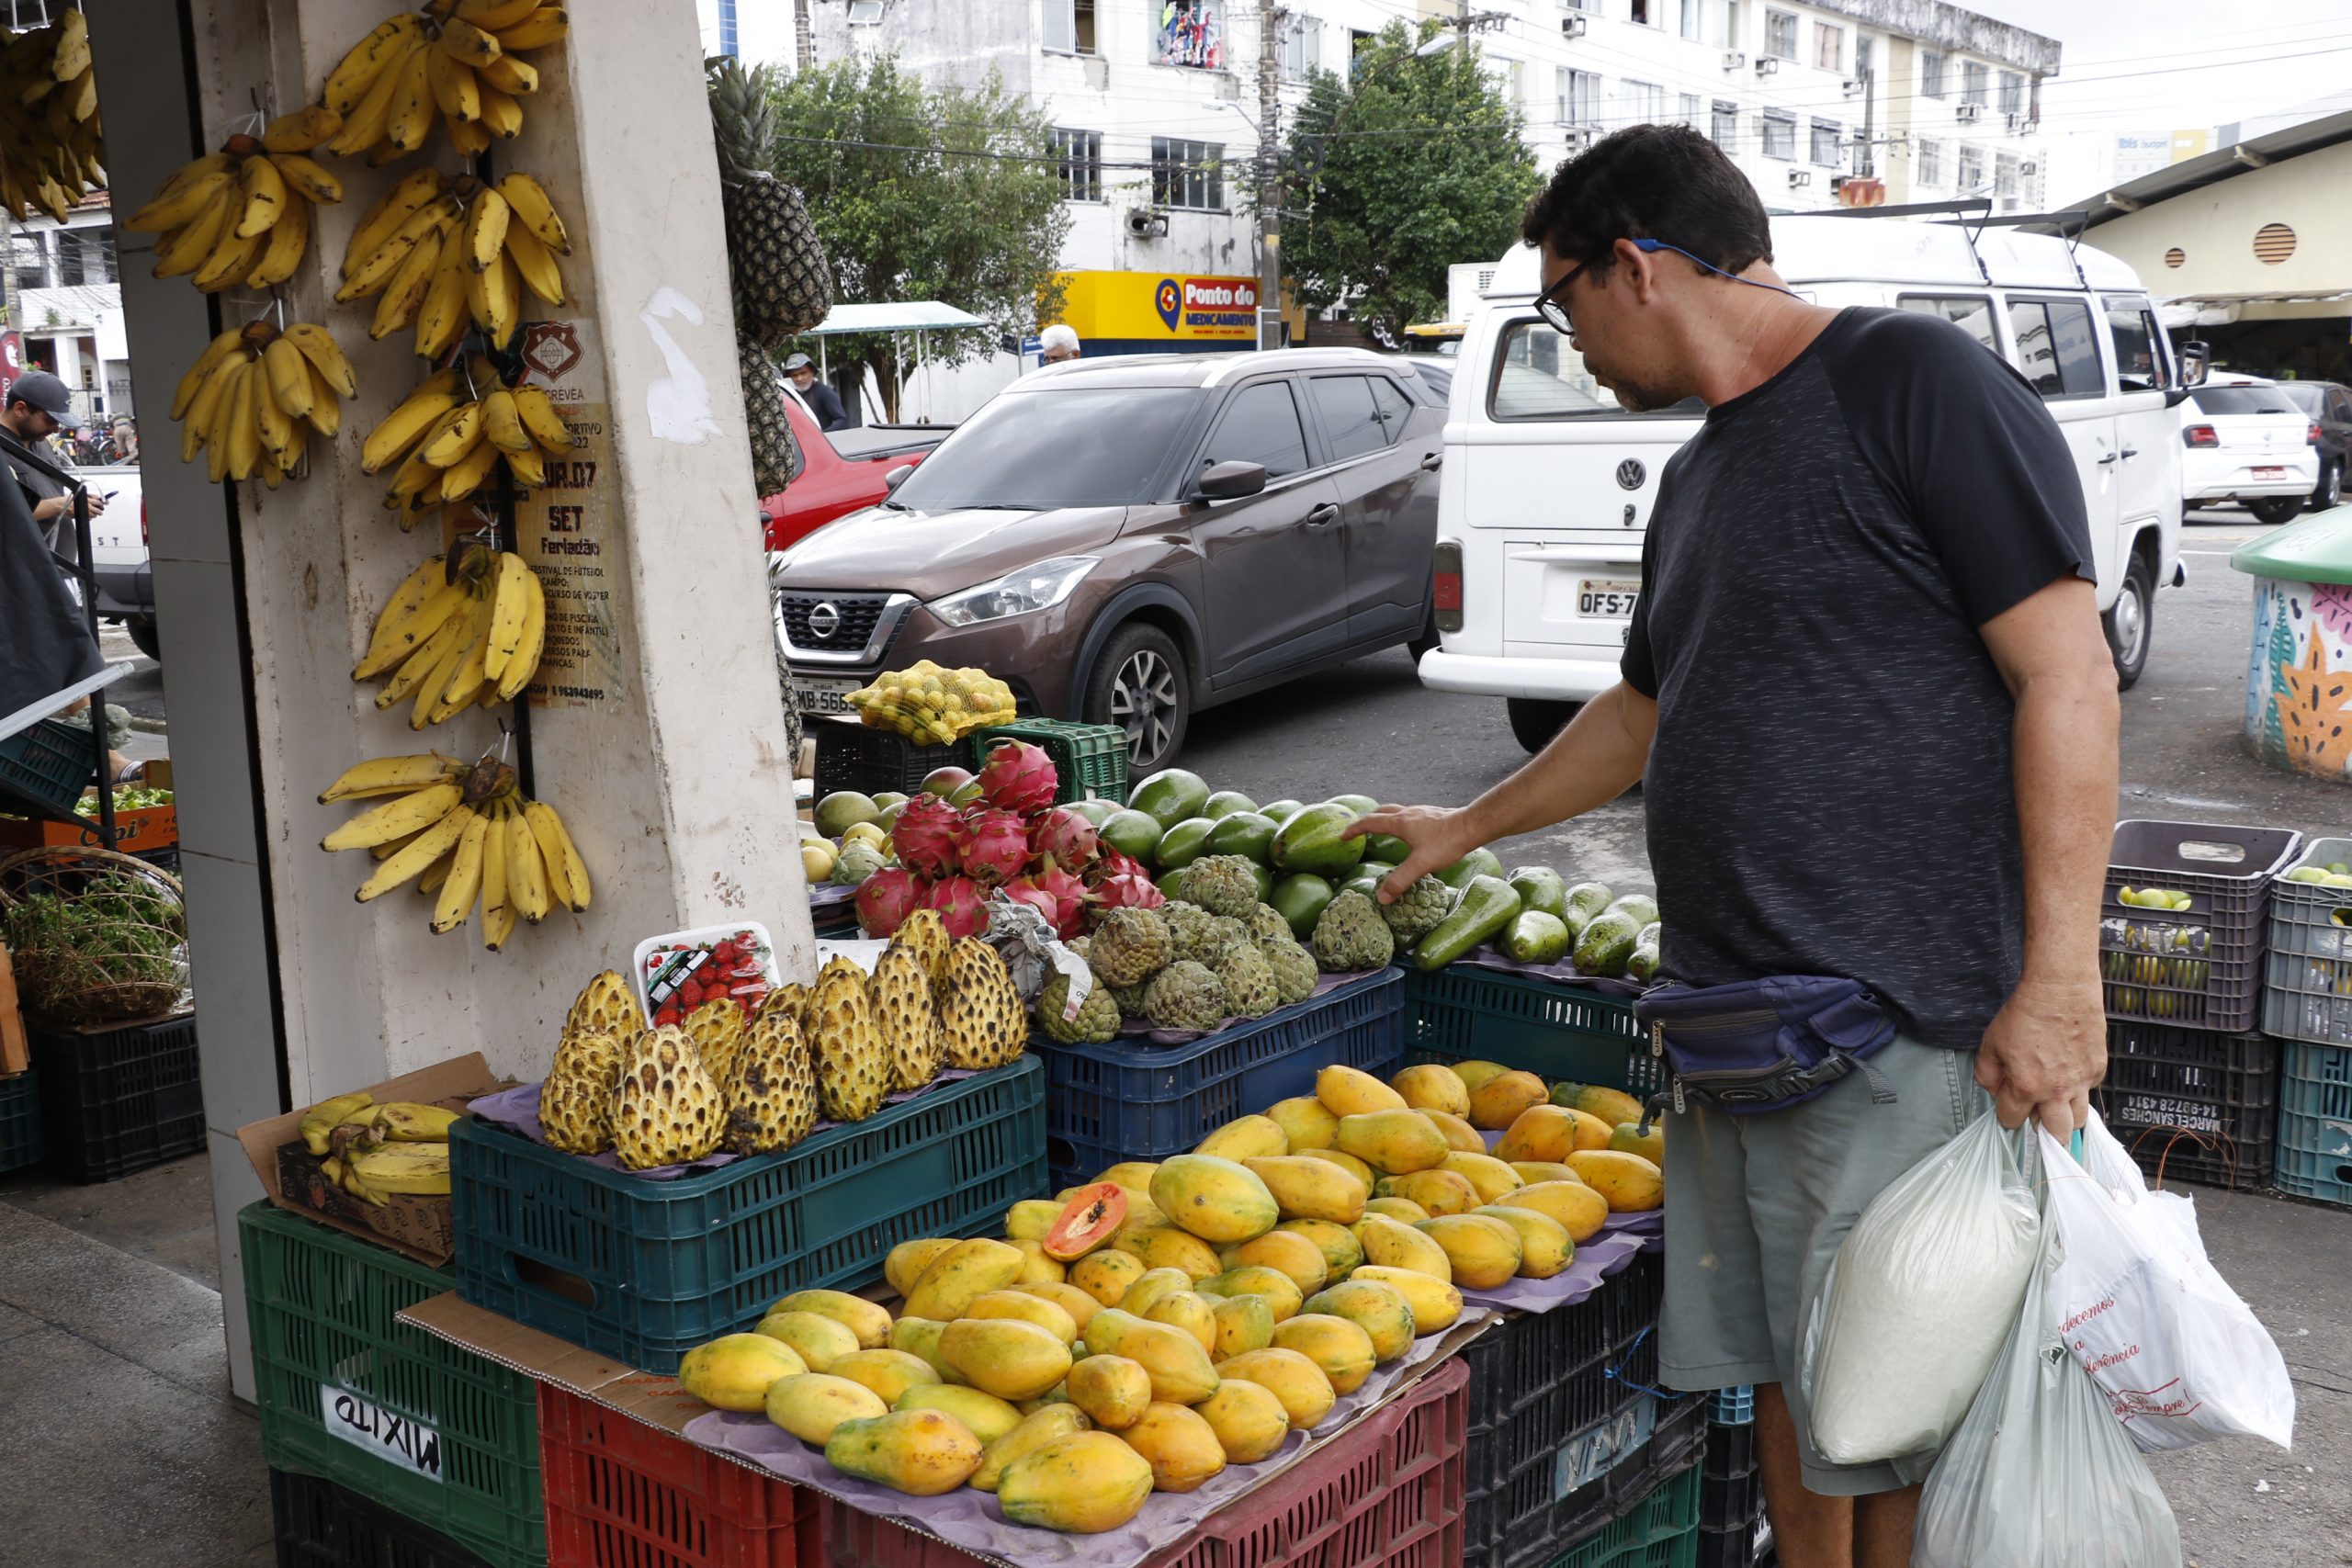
[{"x": 1830, "y": 790}]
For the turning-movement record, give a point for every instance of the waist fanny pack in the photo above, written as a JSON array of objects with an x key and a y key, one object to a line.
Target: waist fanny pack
[{"x": 1763, "y": 1044}]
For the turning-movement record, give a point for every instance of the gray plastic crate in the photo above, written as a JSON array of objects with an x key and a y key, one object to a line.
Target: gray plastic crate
[
  {"x": 2307, "y": 977},
  {"x": 2198, "y": 968}
]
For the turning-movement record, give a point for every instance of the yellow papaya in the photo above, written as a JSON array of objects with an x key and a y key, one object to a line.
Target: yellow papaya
[
  {"x": 1282, "y": 1250},
  {"x": 1135, "y": 1175},
  {"x": 1550, "y": 1132},
  {"x": 967, "y": 1269},
  {"x": 1081, "y": 1484},
  {"x": 1347, "y": 1092},
  {"x": 1346, "y": 1162},
  {"x": 1245, "y": 1137},
  {"x": 1006, "y": 1356},
  {"x": 1544, "y": 1249},
  {"x": 1030, "y": 1219},
  {"x": 1181, "y": 1447},
  {"x": 1166, "y": 1246},
  {"x": 1607, "y": 1106},
  {"x": 820, "y": 1341},
  {"x": 1038, "y": 1266},
  {"x": 1487, "y": 1176},
  {"x": 1475, "y": 1074},
  {"x": 1219, "y": 1200},
  {"x": 983, "y": 1415},
  {"x": 888, "y": 1374},
  {"x": 1483, "y": 1250},
  {"x": 1282, "y": 1291},
  {"x": 1243, "y": 1324},
  {"x": 1341, "y": 1250},
  {"x": 1531, "y": 1172},
  {"x": 1377, "y": 1308},
  {"x": 735, "y": 1372},
  {"x": 920, "y": 1452},
  {"x": 1393, "y": 1142},
  {"x": 1432, "y": 1086},
  {"x": 1630, "y": 1184},
  {"x": 919, "y": 1337},
  {"x": 1404, "y": 1211},
  {"x": 1185, "y": 1310},
  {"x": 1112, "y": 1390},
  {"x": 1306, "y": 1122},
  {"x": 811, "y": 1404},
  {"x": 1435, "y": 1302},
  {"x": 1247, "y": 1419},
  {"x": 1439, "y": 1192},
  {"x": 868, "y": 1320},
  {"x": 1343, "y": 1351},
  {"x": 1628, "y": 1138},
  {"x": 1052, "y": 1423},
  {"x": 1394, "y": 1246},
  {"x": 1080, "y": 1306},
  {"x": 907, "y": 1261},
  {"x": 1106, "y": 1275},
  {"x": 1180, "y": 1369},
  {"x": 1305, "y": 1391},
  {"x": 1154, "y": 1284},
  {"x": 1497, "y": 1102},
  {"x": 1021, "y": 1305},
  {"x": 1307, "y": 1189},
  {"x": 1578, "y": 1209},
  {"x": 1459, "y": 1133}
]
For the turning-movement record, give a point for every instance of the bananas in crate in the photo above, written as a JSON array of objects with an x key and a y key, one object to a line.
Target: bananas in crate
[
  {"x": 460, "y": 61},
  {"x": 466, "y": 836},
  {"x": 462, "y": 629},
  {"x": 933, "y": 706},
  {"x": 254, "y": 395},
  {"x": 241, "y": 217},
  {"x": 449, "y": 434},
  {"x": 369, "y": 1150},
  {"x": 436, "y": 252},
  {"x": 50, "y": 147}
]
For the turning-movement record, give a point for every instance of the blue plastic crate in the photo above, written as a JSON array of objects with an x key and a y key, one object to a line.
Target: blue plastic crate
[
  {"x": 20, "y": 1139},
  {"x": 1734, "y": 1406},
  {"x": 645, "y": 1271},
  {"x": 1132, "y": 1099},
  {"x": 1559, "y": 1033},
  {"x": 2315, "y": 1122}
]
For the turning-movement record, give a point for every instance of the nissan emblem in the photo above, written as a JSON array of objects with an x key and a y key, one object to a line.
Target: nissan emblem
[
  {"x": 824, "y": 620},
  {"x": 1629, "y": 474}
]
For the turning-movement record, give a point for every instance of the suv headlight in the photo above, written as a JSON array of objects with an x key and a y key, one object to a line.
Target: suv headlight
[{"x": 1039, "y": 587}]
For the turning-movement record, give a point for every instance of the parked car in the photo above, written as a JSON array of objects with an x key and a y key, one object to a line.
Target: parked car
[
  {"x": 119, "y": 551},
  {"x": 1130, "y": 540},
  {"x": 842, "y": 470},
  {"x": 1549, "y": 484},
  {"x": 2328, "y": 405},
  {"x": 2245, "y": 442}
]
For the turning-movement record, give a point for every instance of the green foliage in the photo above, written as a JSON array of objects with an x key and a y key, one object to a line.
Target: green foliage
[
  {"x": 941, "y": 193},
  {"x": 1412, "y": 164}
]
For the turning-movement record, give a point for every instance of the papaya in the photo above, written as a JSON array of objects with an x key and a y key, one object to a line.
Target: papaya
[
  {"x": 1341, "y": 1349},
  {"x": 1019, "y": 1305},
  {"x": 1483, "y": 1250},
  {"x": 1531, "y": 1172},
  {"x": 1057, "y": 1394},
  {"x": 1628, "y": 1138},
  {"x": 1244, "y": 1138},
  {"x": 1395, "y": 1142},
  {"x": 1030, "y": 1219},
  {"x": 983, "y": 1415},
  {"x": 965, "y": 1271},
  {"x": 1054, "y": 1421},
  {"x": 1155, "y": 1283},
  {"x": 868, "y": 1320},
  {"x": 1189, "y": 1312},
  {"x": 1086, "y": 1221},
  {"x": 1435, "y": 1302},
  {"x": 1112, "y": 1390},
  {"x": 1282, "y": 1291},
  {"x": 919, "y": 1337},
  {"x": 1306, "y": 1392},
  {"x": 907, "y": 1261},
  {"x": 1402, "y": 1210},
  {"x": 1631, "y": 1184},
  {"x": 812, "y": 1404},
  {"x": 1346, "y": 1092},
  {"x": 1166, "y": 1246},
  {"x": 1037, "y": 1267},
  {"x": 820, "y": 1341},
  {"x": 1286, "y": 1251},
  {"x": 1080, "y": 1306},
  {"x": 1498, "y": 1103},
  {"x": 1476, "y": 1072},
  {"x": 1306, "y": 1122},
  {"x": 1374, "y": 1306},
  {"x": 1220, "y": 1200},
  {"x": 1394, "y": 1246},
  {"x": 1106, "y": 1275},
  {"x": 1080, "y": 1485},
  {"x": 1432, "y": 1086},
  {"x": 888, "y": 1374},
  {"x": 1243, "y": 1324},
  {"x": 1487, "y": 1176},
  {"x": 1006, "y": 1356},
  {"x": 1345, "y": 1161},
  {"x": 1134, "y": 1175},
  {"x": 1544, "y": 1249},
  {"x": 1181, "y": 1447},
  {"x": 735, "y": 1372},
  {"x": 1439, "y": 1192},
  {"x": 920, "y": 1452},
  {"x": 1249, "y": 1422},
  {"x": 1180, "y": 1369},
  {"x": 1486, "y": 905},
  {"x": 1578, "y": 1209},
  {"x": 1459, "y": 1135},
  {"x": 1341, "y": 1251},
  {"x": 1306, "y": 1188},
  {"x": 1551, "y": 1132}
]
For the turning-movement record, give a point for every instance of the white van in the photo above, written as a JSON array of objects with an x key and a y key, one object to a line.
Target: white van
[{"x": 1548, "y": 484}]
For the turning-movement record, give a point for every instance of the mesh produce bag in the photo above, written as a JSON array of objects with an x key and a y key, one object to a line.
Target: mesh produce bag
[{"x": 95, "y": 937}]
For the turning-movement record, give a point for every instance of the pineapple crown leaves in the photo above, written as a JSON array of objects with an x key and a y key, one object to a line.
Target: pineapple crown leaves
[{"x": 742, "y": 116}]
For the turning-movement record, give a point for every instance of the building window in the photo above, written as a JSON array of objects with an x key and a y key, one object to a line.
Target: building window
[
  {"x": 1825, "y": 143},
  {"x": 1828, "y": 47},
  {"x": 1303, "y": 48},
  {"x": 1723, "y": 126},
  {"x": 1930, "y": 168},
  {"x": 1865, "y": 56},
  {"x": 28, "y": 261},
  {"x": 1189, "y": 33},
  {"x": 1931, "y": 74},
  {"x": 2005, "y": 176},
  {"x": 1358, "y": 42},
  {"x": 70, "y": 272},
  {"x": 1732, "y": 34},
  {"x": 1690, "y": 115},
  {"x": 1511, "y": 77},
  {"x": 1070, "y": 25},
  {"x": 1972, "y": 75},
  {"x": 1643, "y": 103},
  {"x": 1694, "y": 19},
  {"x": 1579, "y": 97},
  {"x": 1647, "y": 12},
  {"x": 1780, "y": 131},
  {"x": 1591, "y": 6},
  {"x": 1780, "y": 34},
  {"x": 2012, "y": 93},
  {"x": 1080, "y": 153},
  {"x": 1972, "y": 169},
  {"x": 1189, "y": 175}
]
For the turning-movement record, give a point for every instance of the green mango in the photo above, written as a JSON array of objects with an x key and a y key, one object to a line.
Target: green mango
[
  {"x": 1282, "y": 810},
  {"x": 1171, "y": 795},
  {"x": 1183, "y": 843},
  {"x": 1386, "y": 847},
  {"x": 1607, "y": 946},
  {"x": 1226, "y": 802},
  {"x": 1640, "y": 905},
  {"x": 1301, "y": 900},
  {"x": 1589, "y": 899},
  {"x": 1311, "y": 841},
  {"x": 1135, "y": 834},
  {"x": 1246, "y": 833},
  {"x": 1362, "y": 805}
]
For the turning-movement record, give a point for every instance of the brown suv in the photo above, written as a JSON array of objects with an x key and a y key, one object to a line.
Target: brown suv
[{"x": 1129, "y": 540}]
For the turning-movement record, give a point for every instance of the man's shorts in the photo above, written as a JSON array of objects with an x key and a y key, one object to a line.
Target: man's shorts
[{"x": 1756, "y": 1207}]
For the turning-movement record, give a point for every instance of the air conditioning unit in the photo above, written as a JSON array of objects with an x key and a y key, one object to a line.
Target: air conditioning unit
[
  {"x": 1572, "y": 27},
  {"x": 1767, "y": 66},
  {"x": 1968, "y": 114},
  {"x": 1800, "y": 178},
  {"x": 1146, "y": 223},
  {"x": 1734, "y": 60},
  {"x": 2028, "y": 168},
  {"x": 1853, "y": 86},
  {"x": 1579, "y": 137},
  {"x": 2017, "y": 122}
]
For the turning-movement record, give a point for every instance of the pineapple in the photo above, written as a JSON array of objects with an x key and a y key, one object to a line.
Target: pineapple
[
  {"x": 775, "y": 451},
  {"x": 783, "y": 285}
]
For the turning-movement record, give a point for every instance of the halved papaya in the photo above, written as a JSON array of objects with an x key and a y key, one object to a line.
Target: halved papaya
[{"x": 1089, "y": 1219}]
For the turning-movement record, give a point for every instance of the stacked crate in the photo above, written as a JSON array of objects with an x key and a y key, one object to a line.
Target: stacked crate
[{"x": 2307, "y": 1004}]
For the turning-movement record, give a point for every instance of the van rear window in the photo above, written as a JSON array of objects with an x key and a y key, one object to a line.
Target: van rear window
[{"x": 1539, "y": 376}]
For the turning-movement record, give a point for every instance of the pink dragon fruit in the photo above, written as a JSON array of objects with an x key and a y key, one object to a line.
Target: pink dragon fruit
[
  {"x": 963, "y": 907},
  {"x": 925, "y": 836},
  {"x": 1056, "y": 895},
  {"x": 1064, "y": 837},
  {"x": 990, "y": 846},
  {"x": 1120, "y": 882},
  {"x": 886, "y": 899},
  {"x": 1019, "y": 777}
]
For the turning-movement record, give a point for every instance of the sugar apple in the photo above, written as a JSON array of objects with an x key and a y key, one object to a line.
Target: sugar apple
[
  {"x": 1223, "y": 884},
  {"x": 1417, "y": 910},
  {"x": 1249, "y": 982},
  {"x": 1200, "y": 936},
  {"x": 1186, "y": 994},
  {"x": 1128, "y": 997},
  {"x": 1082, "y": 945},
  {"x": 1267, "y": 926},
  {"x": 1294, "y": 970},
  {"x": 1097, "y": 1020},
  {"x": 1352, "y": 936},
  {"x": 1128, "y": 946}
]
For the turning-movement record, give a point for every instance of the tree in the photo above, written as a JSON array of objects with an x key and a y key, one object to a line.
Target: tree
[
  {"x": 946, "y": 193},
  {"x": 1407, "y": 165}
]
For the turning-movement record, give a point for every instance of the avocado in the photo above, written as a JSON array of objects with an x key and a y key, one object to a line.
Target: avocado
[
  {"x": 1226, "y": 802},
  {"x": 1095, "y": 811},
  {"x": 1131, "y": 833},
  {"x": 1385, "y": 847},
  {"x": 1301, "y": 900},
  {"x": 1311, "y": 841},
  {"x": 1536, "y": 936},
  {"x": 1540, "y": 887},
  {"x": 1478, "y": 862},
  {"x": 1589, "y": 899},
  {"x": 1171, "y": 795},
  {"x": 1487, "y": 908},
  {"x": 1606, "y": 945},
  {"x": 1282, "y": 810},
  {"x": 1641, "y": 905},
  {"x": 1361, "y": 804},
  {"x": 1246, "y": 833},
  {"x": 1367, "y": 879},
  {"x": 1183, "y": 843}
]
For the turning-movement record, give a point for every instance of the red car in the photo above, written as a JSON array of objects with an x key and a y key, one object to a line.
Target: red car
[{"x": 841, "y": 472}]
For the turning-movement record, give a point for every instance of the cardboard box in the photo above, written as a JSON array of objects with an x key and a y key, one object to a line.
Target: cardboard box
[
  {"x": 291, "y": 1175},
  {"x": 136, "y": 832},
  {"x": 15, "y": 1050}
]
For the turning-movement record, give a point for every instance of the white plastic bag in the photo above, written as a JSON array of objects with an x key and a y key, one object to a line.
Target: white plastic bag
[
  {"x": 2039, "y": 1475},
  {"x": 1915, "y": 1307},
  {"x": 2182, "y": 1360}
]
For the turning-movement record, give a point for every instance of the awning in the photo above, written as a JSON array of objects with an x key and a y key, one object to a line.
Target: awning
[
  {"x": 2221, "y": 309},
  {"x": 912, "y": 316}
]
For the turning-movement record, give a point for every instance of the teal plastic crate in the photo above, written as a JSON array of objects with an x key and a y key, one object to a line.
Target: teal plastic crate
[
  {"x": 47, "y": 763},
  {"x": 350, "y": 1394},
  {"x": 2315, "y": 1122},
  {"x": 1560, "y": 1032},
  {"x": 20, "y": 1135},
  {"x": 1660, "y": 1531},
  {"x": 1091, "y": 760},
  {"x": 644, "y": 1270}
]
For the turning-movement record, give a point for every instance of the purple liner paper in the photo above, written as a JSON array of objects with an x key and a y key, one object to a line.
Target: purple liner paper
[
  {"x": 827, "y": 894},
  {"x": 1136, "y": 1029},
  {"x": 970, "y": 1520},
  {"x": 1604, "y": 1255},
  {"x": 1561, "y": 974},
  {"x": 517, "y": 1110}
]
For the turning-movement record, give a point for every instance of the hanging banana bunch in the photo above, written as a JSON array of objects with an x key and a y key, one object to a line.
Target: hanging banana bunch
[
  {"x": 453, "y": 431},
  {"x": 241, "y": 216},
  {"x": 461, "y": 630},
  {"x": 254, "y": 395},
  {"x": 467, "y": 836},
  {"x": 441, "y": 251},
  {"x": 51, "y": 148},
  {"x": 455, "y": 59}
]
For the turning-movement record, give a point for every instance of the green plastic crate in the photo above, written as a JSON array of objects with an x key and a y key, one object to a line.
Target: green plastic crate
[
  {"x": 1660, "y": 1531},
  {"x": 1461, "y": 1014},
  {"x": 350, "y": 1394},
  {"x": 1091, "y": 759}
]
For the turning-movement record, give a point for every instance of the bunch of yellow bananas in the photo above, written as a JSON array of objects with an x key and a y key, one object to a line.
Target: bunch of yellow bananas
[
  {"x": 465, "y": 836},
  {"x": 455, "y": 56},
  {"x": 252, "y": 395},
  {"x": 454, "y": 429},
  {"x": 369, "y": 1149},
  {"x": 241, "y": 215},
  {"x": 460, "y": 630},
  {"x": 441, "y": 250},
  {"x": 50, "y": 146}
]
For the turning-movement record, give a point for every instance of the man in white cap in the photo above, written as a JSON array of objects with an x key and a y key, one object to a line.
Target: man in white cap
[
  {"x": 822, "y": 401},
  {"x": 1057, "y": 343}
]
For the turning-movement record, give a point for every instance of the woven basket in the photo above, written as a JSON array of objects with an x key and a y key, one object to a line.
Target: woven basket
[{"x": 73, "y": 968}]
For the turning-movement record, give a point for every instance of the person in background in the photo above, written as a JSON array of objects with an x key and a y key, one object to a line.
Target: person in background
[
  {"x": 38, "y": 407},
  {"x": 1057, "y": 343},
  {"x": 122, "y": 443},
  {"x": 822, "y": 401}
]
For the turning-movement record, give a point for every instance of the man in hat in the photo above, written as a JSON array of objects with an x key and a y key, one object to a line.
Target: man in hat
[
  {"x": 822, "y": 401},
  {"x": 38, "y": 407}
]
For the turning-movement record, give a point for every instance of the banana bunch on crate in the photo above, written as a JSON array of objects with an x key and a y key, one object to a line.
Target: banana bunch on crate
[
  {"x": 254, "y": 395},
  {"x": 467, "y": 836},
  {"x": 51, "y": 148},
  {"x": 462, "y": 629},
  {"x": 241, "y": 217},
  {"x": 437, "y": 251},
  {"x": 369, "y": 1150},
  {"x": 926, "y": 703},
  {"x": 449, "y": 434},
  {"x": 458, "y": 59}
]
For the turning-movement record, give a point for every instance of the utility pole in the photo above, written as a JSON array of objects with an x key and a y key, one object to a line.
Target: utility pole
[
  {"x": 1270, "y": 218},
  {"x": 804, "y": 38},
  {"x": 1866, "y": 160},
  {"x": 1461, "y": 27}
]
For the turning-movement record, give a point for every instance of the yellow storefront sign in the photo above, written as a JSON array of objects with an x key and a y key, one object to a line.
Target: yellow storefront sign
[{"x": 1148, "y": 308}]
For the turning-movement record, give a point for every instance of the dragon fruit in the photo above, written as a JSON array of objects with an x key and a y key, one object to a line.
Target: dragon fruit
[
  {"x": 1019, "y": 777},
  {"x": 925, "y": 836},
  {"x": 962, "y": 905},
  {"x": 1120, "y": 882},
  {"x": 1064, "y": 837},
  {"x": 1056, "y": 895},
  {"x": 990, "y": 846},
  {"x": 887, "y": 898}
]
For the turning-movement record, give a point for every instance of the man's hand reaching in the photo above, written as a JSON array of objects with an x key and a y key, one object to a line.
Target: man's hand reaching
[{"x": 1439, "y": 838}]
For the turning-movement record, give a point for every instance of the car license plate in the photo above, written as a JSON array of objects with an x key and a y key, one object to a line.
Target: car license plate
[
  {"x": 1607, "y": 598},
  {"x": 2269, "y": 473},
  {"x": 822, "y": 695}
]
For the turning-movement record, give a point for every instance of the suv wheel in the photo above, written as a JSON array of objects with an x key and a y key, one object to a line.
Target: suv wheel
[
  {"x": 1535, "y": 722},
  {"x": 1140, "y": 684},
  {"x": 2330, "y": 489},
  {"x": 142, "y": 636},
  {"x": 2275, "y": 509},
  {"x": 2131, "y": 622}
]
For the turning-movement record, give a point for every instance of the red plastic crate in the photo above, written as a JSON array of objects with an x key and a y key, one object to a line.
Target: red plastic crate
[
  {"x": 623, "y": 1495},
  {"x": 1386, "y": 1493}
]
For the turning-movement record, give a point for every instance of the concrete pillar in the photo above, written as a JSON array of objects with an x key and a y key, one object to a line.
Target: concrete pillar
[{"x": 655, "y": 727}]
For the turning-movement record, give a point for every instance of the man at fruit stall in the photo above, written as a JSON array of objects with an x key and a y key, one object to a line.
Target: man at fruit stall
[{"x": 1869, "y": 697}]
